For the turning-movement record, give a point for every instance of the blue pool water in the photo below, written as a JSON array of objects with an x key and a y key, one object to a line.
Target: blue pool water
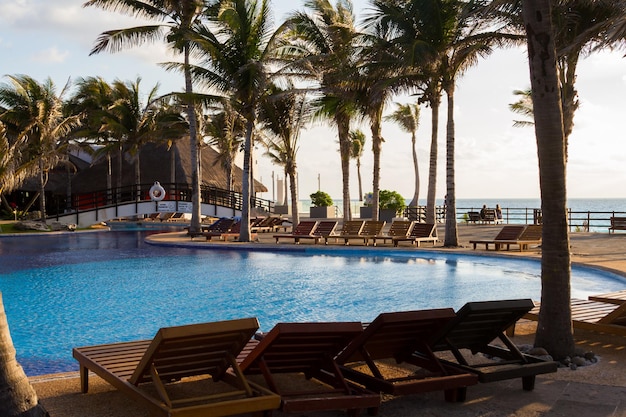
[{"x": 90, "y": 288}]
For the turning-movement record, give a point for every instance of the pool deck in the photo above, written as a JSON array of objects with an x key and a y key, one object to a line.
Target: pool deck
[{"x": 592, "y": 391}]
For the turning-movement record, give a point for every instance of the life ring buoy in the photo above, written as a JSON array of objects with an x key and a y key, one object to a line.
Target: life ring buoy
[{"x": 157, "y": 193}]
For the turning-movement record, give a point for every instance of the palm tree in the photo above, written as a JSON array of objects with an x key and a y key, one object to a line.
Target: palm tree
[
  {"x": 554, "y": 331},
  {"x": 357, "y": 137},
  {"x": 177, "y": 21},
  {"x": 524, "y": 107},
  {"x": 326, "y": 41},
  {"x": 92, "y": 98},
  {"x": 34, "y": 113},
  {"x": 407, "y": 117},
  {"x": 135, "y": 123},
  {"x": 17, "y": 396},
  {"x": 225, "y": 131},
  {"x": 282, "y": 116},
  {"x": 237, "y": 44}
]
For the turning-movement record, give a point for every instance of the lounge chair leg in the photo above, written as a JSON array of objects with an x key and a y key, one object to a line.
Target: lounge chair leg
[
  {"x": 84, "y": 379},
  {"x": 528, "y": 382}
]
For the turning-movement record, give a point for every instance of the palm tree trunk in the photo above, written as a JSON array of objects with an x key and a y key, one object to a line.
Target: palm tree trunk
[
  {"x": 42, "y": 191},
  {"x": 196, "y": 209},
  {"x": 345, "y": 145},
  {"x": 244, "y": 232},
  {"x": 415, "y": 201},
  {"x": 432, "y": 170},
  {"x": 554, "y": 329},
  {"x": 451, "y": 238},
  {"x": 138, "y": 176},
  {"x": 293, "y": 185},
  {"x": 377, "y": 145},
  {"x": 358, "y": 173},
  {"x": 109, "y": 179},
  {"x": 120, "y": 154},
  {"x": 17, "y": 396}
]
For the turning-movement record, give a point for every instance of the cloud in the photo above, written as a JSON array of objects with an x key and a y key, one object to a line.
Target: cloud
[{"x": 50, "y": 55}]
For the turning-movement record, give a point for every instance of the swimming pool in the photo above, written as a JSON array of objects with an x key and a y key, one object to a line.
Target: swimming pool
[{"x": 88, "y": 288}]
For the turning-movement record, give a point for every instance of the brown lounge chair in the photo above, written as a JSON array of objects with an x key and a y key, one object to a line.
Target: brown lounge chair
[
  {"x": 235, "y": 231},
  {"x": 307, "y": 351},
  {"x": 420, "y": 233},
  {"x": 398, "y": 229},
  {"x": 470, "y": 334},
  {"x": 370, "y": 229},
  {"x": 617, "y": 297},
  {"x": 530, "y": 236},
  {"x": 593, "y": 315},
  {"x": 150, "y": 371},
  {"x": 217, "y": 229},
  {"x": 397, "y": 336},
  {"x": 507, "y": 233},
  {"x": 303, "y": 230},
  {"x": 349, "y": 228}
]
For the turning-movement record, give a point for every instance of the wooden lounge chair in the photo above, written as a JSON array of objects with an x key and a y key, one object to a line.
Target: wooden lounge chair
[
  {"x": 472, "y": 332},
  {"x": 370, "y": 229},
  {"x": 530, "y": 236},
  {"x": 307, "y": 351},
  {"x": 507, "y": 233},
  {"x": 217, "y": 229},
  {"x": 593, "y": 315},
  {"x": 150, "y": 371},
  {"x": 398, "y": 229},
  {"x": 396, "y": 336},
  {"x": 325, "y": 228},
  {"x": 420, "y": 233},
  {"x": 303, "y": 230},
  {"x": 617, "y": 297},
  {"x": 234, "y": 233},
  {"x": 349, "y": 228}
]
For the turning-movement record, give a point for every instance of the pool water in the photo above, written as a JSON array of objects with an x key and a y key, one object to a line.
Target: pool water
[{"x": 90, "y": 288}]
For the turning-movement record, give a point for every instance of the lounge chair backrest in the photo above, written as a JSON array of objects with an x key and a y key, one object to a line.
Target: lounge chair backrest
[
  {"x": 352, "y": 227},
  {"x": 300, "y": 347},
  {"x": 221, "y": 225},
  {"x": 197, "y": 349},
  {"x": 372, "y": 227},
  {"x": 510, "y": 232},
  {"x": 396, "y": 335},
  {"x": 531, "y": 232},
  {"x": 236, "y": 227},
  {"x": 400, "y": 228},
  {"x": 422, "y": 230},
  {"x": 304, "y": 228},
  {"x": 478, "y": 323},
  {"x": 325, "y": 228}
]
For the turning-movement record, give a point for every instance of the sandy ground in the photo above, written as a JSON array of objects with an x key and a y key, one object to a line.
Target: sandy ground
[{"x": 598, "y": 390}]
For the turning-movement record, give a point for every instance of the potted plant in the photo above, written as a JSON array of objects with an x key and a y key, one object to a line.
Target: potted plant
[
  {"x": 322, "y": 206},
  {"x": 390, "y": 204}
]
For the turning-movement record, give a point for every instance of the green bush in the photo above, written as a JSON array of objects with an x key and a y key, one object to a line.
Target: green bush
[
  {"x": 391, "y": 200},
  {"x": 321, "y": 199}
]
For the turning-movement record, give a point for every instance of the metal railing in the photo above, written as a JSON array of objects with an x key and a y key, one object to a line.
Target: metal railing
[
  {"x": 578, "y": 221},
  {"x": 141, "y": 192}
]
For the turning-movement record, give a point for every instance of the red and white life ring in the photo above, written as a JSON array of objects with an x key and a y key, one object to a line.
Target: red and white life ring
[{"x": 157, "y": 193}]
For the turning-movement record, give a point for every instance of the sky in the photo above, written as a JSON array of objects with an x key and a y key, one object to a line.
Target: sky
[{"x": 53, "y": 38}]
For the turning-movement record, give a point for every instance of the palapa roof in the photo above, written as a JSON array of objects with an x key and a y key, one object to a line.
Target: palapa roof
[{"x": 156, "y": 165}]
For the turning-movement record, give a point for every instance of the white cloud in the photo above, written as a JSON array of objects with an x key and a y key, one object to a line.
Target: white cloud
[{"x": 50, "y": 55}]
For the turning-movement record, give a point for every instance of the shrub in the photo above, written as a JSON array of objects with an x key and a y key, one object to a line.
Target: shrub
[
  {"x": 391, "y": 200},
  {"x": 321, "y": 199}
]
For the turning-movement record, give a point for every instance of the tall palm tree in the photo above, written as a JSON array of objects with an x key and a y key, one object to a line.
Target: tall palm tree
[
  {"x": 282, "y": 116},
  {"x": 135, "y": 122},
  {"x": 357, "y": 137},
  {"x": 35, "y": 115},
  {"x": 407, "y": 117},
  {"x": 17, "y": 397},
  {"x": 326, "y": 50},
  {"x": 237, "y": 44},
  {"x": 93, "y": 97},
  {"x": 225, "y": 131},
  {"x": 177, "y": 21},
  {"x": 554, "y": 332}
]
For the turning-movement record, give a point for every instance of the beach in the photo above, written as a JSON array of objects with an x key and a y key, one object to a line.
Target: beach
[{"x": 595, "y": 390}]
